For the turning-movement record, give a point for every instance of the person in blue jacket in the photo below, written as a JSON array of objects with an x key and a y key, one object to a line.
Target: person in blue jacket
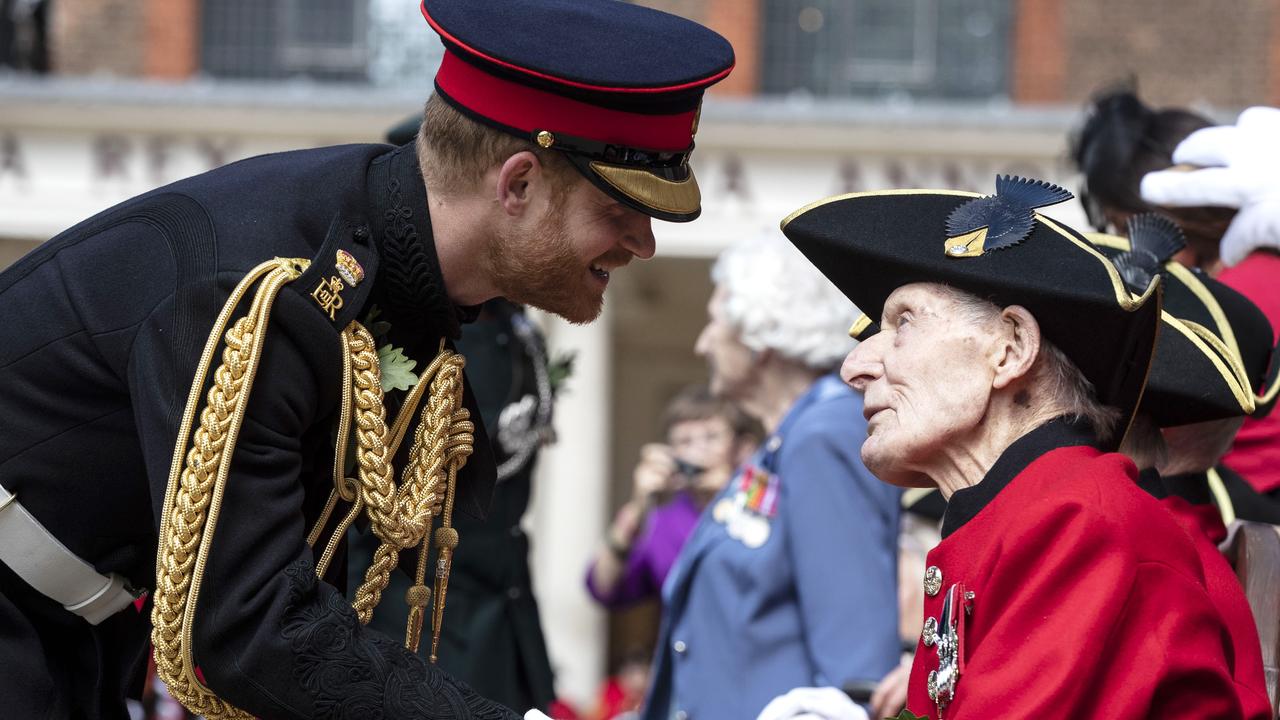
[{"x": 790, "y": 577}]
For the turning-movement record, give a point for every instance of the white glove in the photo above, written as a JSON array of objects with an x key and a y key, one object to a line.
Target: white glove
[
  {"x": 824, "y": 703},
  {"x": 1241, "y": 169},
  {"x": 536, "y": 715}
]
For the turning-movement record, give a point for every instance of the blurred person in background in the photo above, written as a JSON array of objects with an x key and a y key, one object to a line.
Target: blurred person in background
[
  {"x": 172, "y": 372},
  {"x": 790, "y": 577},
  {"x": 1213, "y": 347},
  {"x": 706, "y": 439},
  {"x": 1122, "y": 139},
  {"x": 623, "y": 691},
  {"x": 1238, "y": 175}
]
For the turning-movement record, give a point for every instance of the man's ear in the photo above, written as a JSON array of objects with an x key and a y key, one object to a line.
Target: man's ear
[
  {"x": 516, "y": 179},
  {"x": 1017, "y": 347}
]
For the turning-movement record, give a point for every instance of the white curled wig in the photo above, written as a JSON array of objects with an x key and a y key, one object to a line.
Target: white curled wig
[{"x": 778, "y": 301}]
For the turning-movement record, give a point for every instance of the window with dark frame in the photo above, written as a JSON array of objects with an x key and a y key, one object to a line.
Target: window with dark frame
[
  {"x": 382, "y": 42},
  {"x": 955, "y": 49}
]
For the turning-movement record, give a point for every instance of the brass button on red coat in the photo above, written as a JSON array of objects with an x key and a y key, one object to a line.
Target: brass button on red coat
[{"x": 932, "y": 580}]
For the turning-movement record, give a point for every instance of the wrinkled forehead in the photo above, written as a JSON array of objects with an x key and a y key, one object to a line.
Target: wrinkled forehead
[{"x": 935, "y": 297}]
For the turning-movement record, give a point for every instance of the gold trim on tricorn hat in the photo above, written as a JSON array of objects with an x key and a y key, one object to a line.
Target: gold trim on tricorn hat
[{"x": 1216, "y": 345}]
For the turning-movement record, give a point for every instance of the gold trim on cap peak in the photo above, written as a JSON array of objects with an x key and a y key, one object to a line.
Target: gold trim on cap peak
[{"x": 670, "y": 196}]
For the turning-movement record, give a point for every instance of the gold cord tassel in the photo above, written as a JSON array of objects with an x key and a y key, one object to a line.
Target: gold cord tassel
[
  {"x": 402, "y": 516},
  {"x": 197, "y": 479}
]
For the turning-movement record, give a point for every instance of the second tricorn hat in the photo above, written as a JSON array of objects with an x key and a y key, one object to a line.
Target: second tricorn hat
[
  {"x": 997, "y": 248},
  {"x": 1214, "y": 355},
  {"x": 615, "y": 86}
]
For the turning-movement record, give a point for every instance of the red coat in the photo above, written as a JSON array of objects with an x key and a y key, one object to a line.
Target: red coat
[
  {"x": 1256, "y": 452},
  {"x": 1085, "y": 599},
  {"x": 1245, "y": 650}
]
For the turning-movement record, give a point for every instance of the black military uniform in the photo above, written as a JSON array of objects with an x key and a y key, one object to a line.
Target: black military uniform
[
  {"x": 493, "y": 640},
  {"x": 104, "y": 325},
  {"x": 101, "y": 337}
]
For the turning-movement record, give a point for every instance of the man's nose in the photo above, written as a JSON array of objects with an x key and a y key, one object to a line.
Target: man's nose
[
  {"x": 703, "y": 344},
  {"x": 861, "y": 366},
  {"x": 637, "y": 235}
]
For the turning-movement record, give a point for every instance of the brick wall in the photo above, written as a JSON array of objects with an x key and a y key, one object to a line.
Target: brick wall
[
  {"x": 98, "y": 37},
  {"x": 1180, "y": 52},
  {"x": 172, "y": 51},
  {"x": 1038, "y": 54}
]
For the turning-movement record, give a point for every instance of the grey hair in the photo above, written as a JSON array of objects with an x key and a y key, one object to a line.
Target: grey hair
[
  {"x": 778, "y": 301},
  {"x": 1069, "y": 391},
  {"x": 1144, "y": 443},
  {"x": 1198, "y": 446}
]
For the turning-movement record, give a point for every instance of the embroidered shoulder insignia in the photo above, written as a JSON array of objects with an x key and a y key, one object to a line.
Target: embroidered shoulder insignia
[
  {"x": 999, "y": 221},
  {"x": 349, "y": 268},
  {"x": 1153, "y": 240}
]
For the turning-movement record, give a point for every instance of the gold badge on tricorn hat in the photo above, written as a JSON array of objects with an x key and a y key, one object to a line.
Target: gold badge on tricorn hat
[{"x": 994, "y": 222}]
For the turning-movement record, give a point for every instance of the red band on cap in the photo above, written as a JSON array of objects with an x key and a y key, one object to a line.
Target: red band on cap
[{"x": 532, "y": 110}]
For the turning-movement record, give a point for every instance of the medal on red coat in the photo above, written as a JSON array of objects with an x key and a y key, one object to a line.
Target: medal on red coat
[{"x": 950, "y": 646}]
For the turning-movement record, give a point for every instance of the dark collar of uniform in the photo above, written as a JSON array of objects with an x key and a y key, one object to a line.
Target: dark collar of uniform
[
  {"x": 411, "y": 294},
  {"x": 1057, "y": 433},
  {"x": 410, "y": 285},
  {"x": 1192, "y": 487}
]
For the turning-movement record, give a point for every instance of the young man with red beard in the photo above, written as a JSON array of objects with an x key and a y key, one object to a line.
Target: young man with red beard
[{"x": 192, "y": 383}]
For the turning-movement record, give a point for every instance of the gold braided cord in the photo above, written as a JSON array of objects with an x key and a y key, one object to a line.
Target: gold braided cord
[
  {"x": 402, "y": 516},
  {"x": 197, "y": 478}
]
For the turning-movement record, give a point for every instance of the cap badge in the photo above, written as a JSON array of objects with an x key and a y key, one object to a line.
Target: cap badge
[
  {"x": 349, "y": 268},
  {"x": 545, "y": 139},
  {"x": 1153, "y": 241},
  {"x": 999, "y": 221}
]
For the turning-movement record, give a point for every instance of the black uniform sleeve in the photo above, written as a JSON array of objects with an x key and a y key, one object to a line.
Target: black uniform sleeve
[{"x": 268, "y": 636}]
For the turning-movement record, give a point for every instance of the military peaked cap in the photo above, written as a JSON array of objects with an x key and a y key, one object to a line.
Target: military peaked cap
[
  {"x": 997, "y": 248},
  {"x": 615, "y": 86},
  {"x": 1214, "y": 354}
]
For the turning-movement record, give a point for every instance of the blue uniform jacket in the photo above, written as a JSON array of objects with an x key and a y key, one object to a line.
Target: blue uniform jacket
[{"x": 816, "y": 603}]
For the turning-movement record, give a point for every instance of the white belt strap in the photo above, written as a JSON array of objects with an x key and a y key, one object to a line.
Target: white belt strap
[{"x": 48, "y": 566}]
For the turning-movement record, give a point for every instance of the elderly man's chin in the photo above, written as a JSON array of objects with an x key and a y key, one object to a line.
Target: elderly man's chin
[{"x": 887, "y": 462}]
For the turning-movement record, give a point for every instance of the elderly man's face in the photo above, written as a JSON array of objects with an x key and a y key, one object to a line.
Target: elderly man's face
[
  {"x": 729, "y": 361},
  {"x": 926, "y": 378}
]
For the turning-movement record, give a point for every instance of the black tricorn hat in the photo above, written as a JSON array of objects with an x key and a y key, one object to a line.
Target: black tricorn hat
[
  {"x": 995, "y": 247},
  {"x": 1213, "y": 357}
]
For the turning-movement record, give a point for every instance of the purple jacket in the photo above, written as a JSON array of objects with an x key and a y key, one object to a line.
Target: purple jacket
[{"x": 654, "y": 552}]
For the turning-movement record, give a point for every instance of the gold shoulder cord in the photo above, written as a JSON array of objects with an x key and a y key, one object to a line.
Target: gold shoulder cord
[{"x": 400, "y": 516}]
